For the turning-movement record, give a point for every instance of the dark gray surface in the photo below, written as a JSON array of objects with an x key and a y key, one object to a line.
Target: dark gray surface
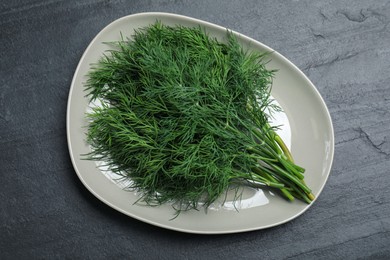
[{"x": 342, "y": 46}]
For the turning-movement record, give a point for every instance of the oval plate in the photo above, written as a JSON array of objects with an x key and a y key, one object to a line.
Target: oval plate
[{"x": 312, "y": 140}]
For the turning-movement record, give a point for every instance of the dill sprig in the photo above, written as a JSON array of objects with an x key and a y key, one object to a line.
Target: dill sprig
[{"x": 185, "y": 117}]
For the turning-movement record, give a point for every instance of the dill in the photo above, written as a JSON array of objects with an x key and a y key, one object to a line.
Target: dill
[{"x": 184, "y": 116}]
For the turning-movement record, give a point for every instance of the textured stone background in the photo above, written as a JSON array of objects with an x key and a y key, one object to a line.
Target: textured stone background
[{"x": 344, "y": 48}]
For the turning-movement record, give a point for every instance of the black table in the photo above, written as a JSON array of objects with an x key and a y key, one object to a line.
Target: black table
[{"x": 342, "y": 46}]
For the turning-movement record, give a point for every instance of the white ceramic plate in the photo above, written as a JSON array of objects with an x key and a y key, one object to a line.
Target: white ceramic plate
[{"x": 312, "y": 141}]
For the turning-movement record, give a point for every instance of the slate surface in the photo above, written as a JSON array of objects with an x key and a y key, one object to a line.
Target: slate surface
[{"x": 342, "y": 46}]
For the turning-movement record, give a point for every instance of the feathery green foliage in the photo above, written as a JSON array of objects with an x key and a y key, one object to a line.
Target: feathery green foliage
[{"x": 184, "y": 116}]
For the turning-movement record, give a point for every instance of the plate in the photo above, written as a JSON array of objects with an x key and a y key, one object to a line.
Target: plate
[{"x": 312, "y": 141}]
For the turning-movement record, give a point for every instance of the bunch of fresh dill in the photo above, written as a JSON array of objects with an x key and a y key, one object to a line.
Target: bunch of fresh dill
[{"x": 184, "y": 116}]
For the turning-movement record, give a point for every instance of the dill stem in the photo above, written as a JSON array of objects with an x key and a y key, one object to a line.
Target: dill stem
[
  {"x": 290, "y": 167},
  {"x": 292, "y": 178},
  {"x": 285, "y": 192},
  {"x": 267, "y": 181},
  {"x": 284, "y": 148},
  {"x": 310, "y": 196},
  {"x": 294, "y": 189}
]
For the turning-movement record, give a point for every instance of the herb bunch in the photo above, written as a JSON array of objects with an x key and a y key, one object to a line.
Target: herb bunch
[{"x": 185, "y": 117}]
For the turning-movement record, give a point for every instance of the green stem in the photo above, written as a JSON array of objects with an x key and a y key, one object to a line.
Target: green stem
[
  {"x": 292, "y": 178},
  {"x": 285, "y": 192},
  {"x": 284, "y": 148},
  {"x": 291, "y": 168}
]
